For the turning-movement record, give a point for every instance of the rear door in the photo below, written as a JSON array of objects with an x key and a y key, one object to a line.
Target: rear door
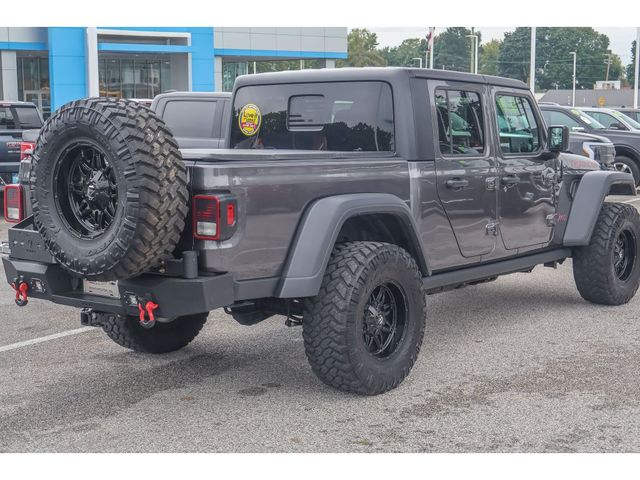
[
  {"x": 526, "y": 199},
  {"x": 465, "y": 165}
]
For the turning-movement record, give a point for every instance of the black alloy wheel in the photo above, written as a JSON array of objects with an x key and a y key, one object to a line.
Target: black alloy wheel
[
  {"x": 384, "y": 320},
  {"x": 86, "y": 175},
  {"x": 624, "y": 255}
]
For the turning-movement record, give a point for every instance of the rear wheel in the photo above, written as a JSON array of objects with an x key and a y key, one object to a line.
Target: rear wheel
[
  {"x": 363, "y": 331},
  {"x": 607, "y": 271},
  {"x": 161, "y": 338}
]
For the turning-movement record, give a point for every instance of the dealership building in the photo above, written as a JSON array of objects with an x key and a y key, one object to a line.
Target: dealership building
[{"x": 51, "y": 66}]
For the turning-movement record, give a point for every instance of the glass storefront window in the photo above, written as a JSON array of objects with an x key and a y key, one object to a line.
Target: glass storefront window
[
  {"x": 33, "y": 81},
  {"x": 139, "y": 77},
  {"x": 230, "y": 71}
]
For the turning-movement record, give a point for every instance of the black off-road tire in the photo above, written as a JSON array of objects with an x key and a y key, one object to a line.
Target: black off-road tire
[
  {"x": 594, "y": 269},
  {"x": 334, "y": 321},
  {"x": 161, "y": 338},
  {"x": 151, "y": 182}
]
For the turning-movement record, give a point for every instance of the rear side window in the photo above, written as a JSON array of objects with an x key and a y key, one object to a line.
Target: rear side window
[
  {"x": 460, "y": 124},
  {"x": 335, "y": 116},
  {"x": 517, "y": 125},
  {"x": 13, "y": 118},
  {"x": 190, "y": 119}
]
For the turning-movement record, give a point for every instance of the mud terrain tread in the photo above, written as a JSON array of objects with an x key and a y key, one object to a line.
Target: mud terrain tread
[
  {"x": 162, "y": 338},
  {"x": 156, "y": 189},
  {"x": 324, "y": 322},
  {"x": 592, "y": 268}
]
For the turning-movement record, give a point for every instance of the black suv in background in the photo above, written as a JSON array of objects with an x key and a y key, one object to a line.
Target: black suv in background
[
  {"x": 627, "y": 143},
  {"x": 15, "y": 119}
]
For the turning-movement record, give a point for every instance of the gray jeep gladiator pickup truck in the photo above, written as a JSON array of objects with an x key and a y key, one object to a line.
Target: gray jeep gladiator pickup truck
[{"x": 343, "y": 198}]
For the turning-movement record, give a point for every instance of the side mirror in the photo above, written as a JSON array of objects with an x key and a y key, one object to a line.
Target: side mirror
[
  {"x": 558, "y": 138},
  {"x": 617, "y": 126}
]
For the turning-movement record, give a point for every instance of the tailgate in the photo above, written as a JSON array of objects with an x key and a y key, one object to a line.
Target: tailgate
[{"x": 10, "y": 146}]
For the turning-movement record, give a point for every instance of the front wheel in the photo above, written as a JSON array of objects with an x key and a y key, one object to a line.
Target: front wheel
[
  {"x": 363, "y": 331},
  {"x": 607, "y": 270},
  {"x": 627, "y": 165},
  {"x": 161, "y": 338}
]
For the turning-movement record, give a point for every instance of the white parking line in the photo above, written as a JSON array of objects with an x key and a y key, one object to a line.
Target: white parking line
[{"x": 35, "y": 341}]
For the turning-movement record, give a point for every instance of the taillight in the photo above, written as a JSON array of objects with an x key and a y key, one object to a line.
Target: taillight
[
  {"x": 26, "y": 149},
  {"x": 206, "y": 217},
  {"x": 214, "y": 216},
  {"x": 13, "y": 210}
]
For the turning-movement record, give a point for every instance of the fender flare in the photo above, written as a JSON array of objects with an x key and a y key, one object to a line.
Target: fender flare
[
  {"x": 587, "y": 202},
  {"x": 318, "y": 231}
]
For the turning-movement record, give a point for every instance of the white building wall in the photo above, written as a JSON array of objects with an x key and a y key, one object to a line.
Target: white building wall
[
  {"x": 9, "y": 72},
  {"x": 302, "y": 39}
]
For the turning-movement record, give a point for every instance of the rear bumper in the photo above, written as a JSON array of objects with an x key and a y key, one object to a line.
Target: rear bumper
[{"x": 175, "y": 296}]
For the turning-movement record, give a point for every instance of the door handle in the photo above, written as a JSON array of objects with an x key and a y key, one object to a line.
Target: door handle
[
  {"x": 457, "y": 183},
  {"x": 510, "y": 180}
]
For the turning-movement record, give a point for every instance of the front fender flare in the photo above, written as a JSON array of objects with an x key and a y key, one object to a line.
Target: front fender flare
[
  {"x": 319, "y": 229},
  {"x": 587, "y": 202}
]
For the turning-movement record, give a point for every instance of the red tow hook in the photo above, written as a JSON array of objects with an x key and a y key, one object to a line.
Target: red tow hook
[
  {"x": 21, "y": 289},
  {"x": 145, "y": 311}
]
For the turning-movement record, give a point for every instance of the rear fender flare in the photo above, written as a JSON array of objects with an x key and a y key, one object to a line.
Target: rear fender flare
[{"x": 318, "y": 232}]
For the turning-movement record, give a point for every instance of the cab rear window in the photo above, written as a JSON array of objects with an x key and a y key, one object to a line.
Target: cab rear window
[
  {"x": 19, "y": 118},
  {"x": 335, "y": 116}
]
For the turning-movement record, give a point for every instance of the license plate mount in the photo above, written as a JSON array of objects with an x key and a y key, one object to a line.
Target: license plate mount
[{"x": 101, "y": 289}]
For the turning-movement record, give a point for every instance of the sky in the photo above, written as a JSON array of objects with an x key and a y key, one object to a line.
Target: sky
[{"x": 620, "y": 37}]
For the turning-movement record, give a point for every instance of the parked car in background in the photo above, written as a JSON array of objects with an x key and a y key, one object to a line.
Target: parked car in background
[
  {"x": 627, "y": 143},
  {"x": 630, "y": 112},
  {"x": 15, "y": 118},
  {"x": 196, "y": 119},
  {"x": 612, "y": 119}
]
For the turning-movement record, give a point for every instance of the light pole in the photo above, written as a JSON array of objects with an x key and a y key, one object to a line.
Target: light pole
[
  {"x": 532, "y": 66},
  {"x": 419, "y": 59},
  {"x": 637, "y": 69},
  {"x": 573, "y": 92},
  {"x": 608, "y": 64},
  {"x": 474, "y": 54},
  {"x": 432, "y": 34}
]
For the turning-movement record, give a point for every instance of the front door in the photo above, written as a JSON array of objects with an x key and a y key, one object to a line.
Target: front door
[
  {"x": 465, "y": 168},
  {"x": 526, "y": 199}
]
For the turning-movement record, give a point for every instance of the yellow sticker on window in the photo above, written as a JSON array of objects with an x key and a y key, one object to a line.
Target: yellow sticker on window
[{"x": 249, "y": 119}]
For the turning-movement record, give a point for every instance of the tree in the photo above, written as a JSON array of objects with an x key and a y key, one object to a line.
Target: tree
[
  {"x": 363, "y": 50},
  {"x": 404, "y": 54},
  {"x": 554, "y": 62},
  {"x": 488, "y": 57},
  {"x": 513, "y": 59},
  {"x": 452, "y": 49},
  {"x": 631, "y": 67}
]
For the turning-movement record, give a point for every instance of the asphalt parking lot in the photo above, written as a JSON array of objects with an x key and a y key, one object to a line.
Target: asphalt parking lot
[{"x": 520, "y": 364}]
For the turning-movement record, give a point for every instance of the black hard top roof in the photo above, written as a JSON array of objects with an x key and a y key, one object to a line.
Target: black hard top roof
[{"x": 389, "y": 74}]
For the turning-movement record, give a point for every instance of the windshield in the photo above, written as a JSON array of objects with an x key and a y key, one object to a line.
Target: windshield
[
  {"x": 592, "y": 122},
  {"x": 626, "y": 119}
]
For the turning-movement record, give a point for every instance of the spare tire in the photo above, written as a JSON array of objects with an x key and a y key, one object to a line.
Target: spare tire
[{"x": 108, "y": 189}]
